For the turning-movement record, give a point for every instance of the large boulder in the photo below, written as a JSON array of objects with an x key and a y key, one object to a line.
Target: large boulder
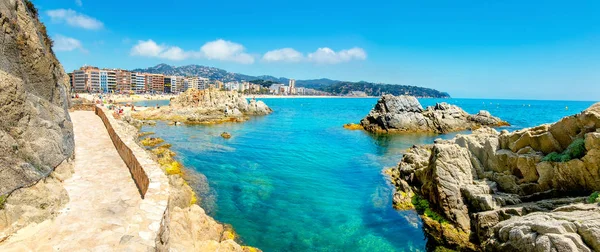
[
  {"x": 405, "y": 114},
  {"x": 503, "y": 191}
]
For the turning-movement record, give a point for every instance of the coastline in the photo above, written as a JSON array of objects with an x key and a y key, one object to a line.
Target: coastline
[
  {"x": 185, "y": 215},
  {"x": 304, "y": 96}
]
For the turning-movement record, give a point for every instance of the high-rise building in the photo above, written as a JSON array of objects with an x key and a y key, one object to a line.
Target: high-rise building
[
  {"x": 177, "y": 84},
  {"x": 167, "y": 81},
  {"x": 148, "y": 82},
  {"x": 111, "y": 80},
  {"x": 140, "y": 82},
  {"x": 79, "y": 77},
  {"x": 94, "y": 79},
  {"x": 158, "y": 83},
  {"x": 123, "y": 81},
  {"x": 292, "y": 86},
  {"x": 104, "y": 81}
]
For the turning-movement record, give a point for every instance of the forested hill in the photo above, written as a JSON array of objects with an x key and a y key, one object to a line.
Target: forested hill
[
  {"x": 373, "y": 89},
  {"x": 332, "y": 86}
]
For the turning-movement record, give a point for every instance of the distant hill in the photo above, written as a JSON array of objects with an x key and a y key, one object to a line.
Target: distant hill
[
  {"x": 375, "y": 89},
  {"x": 332, "y": 86}
]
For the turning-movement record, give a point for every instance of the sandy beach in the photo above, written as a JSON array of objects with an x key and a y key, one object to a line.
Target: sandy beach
[
  {"x": 126, "y": 98},
  {"x": 301, "y": 96}
]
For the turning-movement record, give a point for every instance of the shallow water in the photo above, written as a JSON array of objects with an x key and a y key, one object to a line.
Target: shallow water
[{"x": 296, "y": 180}]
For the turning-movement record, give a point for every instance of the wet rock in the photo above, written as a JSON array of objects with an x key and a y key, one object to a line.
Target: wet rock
[{"x": 225, "y": 135}]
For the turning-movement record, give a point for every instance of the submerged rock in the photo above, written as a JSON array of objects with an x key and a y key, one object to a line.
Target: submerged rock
[
  {"x": 225, "y": 135},
  {"x": 353, "y": 126},
  {"x": 405, "y": 114},
  {"x": 498, "y": 190}
]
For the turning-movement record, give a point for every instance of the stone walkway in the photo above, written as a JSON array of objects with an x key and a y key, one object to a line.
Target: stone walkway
[{"x": 105, "y": 211}]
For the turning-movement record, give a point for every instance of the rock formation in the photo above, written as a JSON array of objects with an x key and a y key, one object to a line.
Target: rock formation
[
  {"x": 405, "y": 114},
  {"x": 498, "y": 191},
  {"x": 36, "y": 133},
  {"x": 185, "y": 225},
  {"x": 206, "y": 106}
]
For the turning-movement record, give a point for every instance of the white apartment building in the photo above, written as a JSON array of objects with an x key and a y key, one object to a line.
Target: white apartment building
[
  {"x": 140, "y": 82},
  {"x": 199, "y": 83},
  {"x": 94, "y": 80}
]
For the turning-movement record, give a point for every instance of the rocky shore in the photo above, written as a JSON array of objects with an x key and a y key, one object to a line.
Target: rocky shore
[
  {"x": 206, "y": 107},
  {"x": 397, "y": 114},
  {"x": 186, "y": 226},
  {"x": 534, "y": 189}
]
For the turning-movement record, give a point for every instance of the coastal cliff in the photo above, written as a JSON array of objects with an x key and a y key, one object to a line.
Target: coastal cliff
[
  {"x": 527, "y": 190},
  {"x": 393, "y": 114},
  {"x": 36, "y": 133},
  {"x": 206, "y": 106}
]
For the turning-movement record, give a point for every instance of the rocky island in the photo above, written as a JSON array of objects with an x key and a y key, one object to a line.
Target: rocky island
[
  {"x": 534, "y": 189},
  {"x": 397, "y": 114},
  {"x": 205, "y": 107}
]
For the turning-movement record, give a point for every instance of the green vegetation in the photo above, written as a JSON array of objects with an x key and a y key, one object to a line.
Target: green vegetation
[
  {"x": 575, "y": 150},
  {"x": 263, "y": 83},
  {"x": 31, "y": 8},
  {"x": 2, "y": 201},
  {"x": 373, "y": 89},
  {"x": 442, "y": 249},
  {"x": 595, "y": 197},
  {"x": 422, "y": 207}
]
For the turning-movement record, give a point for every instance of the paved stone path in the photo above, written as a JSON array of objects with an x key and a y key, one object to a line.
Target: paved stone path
[{"x": 105, "y": 211}]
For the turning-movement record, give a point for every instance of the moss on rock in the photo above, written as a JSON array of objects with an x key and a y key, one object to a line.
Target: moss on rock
[{"x": 151, "y": 141}]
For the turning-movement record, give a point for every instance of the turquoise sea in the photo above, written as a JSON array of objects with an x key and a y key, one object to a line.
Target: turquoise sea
[{"x": 296, "y": 180}]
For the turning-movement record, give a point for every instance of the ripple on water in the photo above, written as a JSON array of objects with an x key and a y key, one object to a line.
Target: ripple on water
[{"x": 297, "y": 181}]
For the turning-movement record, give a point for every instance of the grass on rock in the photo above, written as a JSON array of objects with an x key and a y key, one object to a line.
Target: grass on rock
[
  {"x": 575, "y": 150},
  {"x": 2, "y": 201},
  {"x": 422, "y": 206},
  {"x": 594, "y": 198}
]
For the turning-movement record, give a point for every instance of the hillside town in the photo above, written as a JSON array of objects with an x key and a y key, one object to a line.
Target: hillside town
[{"x": 90, "y": 79}]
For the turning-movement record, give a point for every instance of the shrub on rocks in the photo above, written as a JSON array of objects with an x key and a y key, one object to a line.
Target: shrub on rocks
[{"x": 575, "y": 150}]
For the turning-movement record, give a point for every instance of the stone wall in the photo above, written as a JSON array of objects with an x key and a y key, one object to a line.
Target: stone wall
[{"x": 135, "y": 168}]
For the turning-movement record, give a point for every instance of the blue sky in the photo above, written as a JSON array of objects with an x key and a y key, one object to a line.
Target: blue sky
[{"x": 475, "y": 49}]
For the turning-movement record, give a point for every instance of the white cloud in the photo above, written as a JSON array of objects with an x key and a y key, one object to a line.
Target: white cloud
[
  {"x": 327, "y": 56},
  {"x": 284, "y": 54},
  {"x": 226, "y": 51},
  {"x": 79, "y": 3},
  {"x": 214, "y": 50},
  {"x": 75, "y": 19},
  {"x": 62, "y": 43},
  {"x": 147, "y": 48}
]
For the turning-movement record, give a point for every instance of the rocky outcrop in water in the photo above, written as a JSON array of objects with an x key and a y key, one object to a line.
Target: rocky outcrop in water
[
  {"x": 405, "y": 114},
  {"x": 36, "y": 133},
  {"x": 206, "y": 106},
  {"x": 520, "y": 191}
]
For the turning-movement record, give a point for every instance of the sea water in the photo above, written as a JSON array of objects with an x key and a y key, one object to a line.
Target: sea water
[{"x": 296, "y": 180}]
